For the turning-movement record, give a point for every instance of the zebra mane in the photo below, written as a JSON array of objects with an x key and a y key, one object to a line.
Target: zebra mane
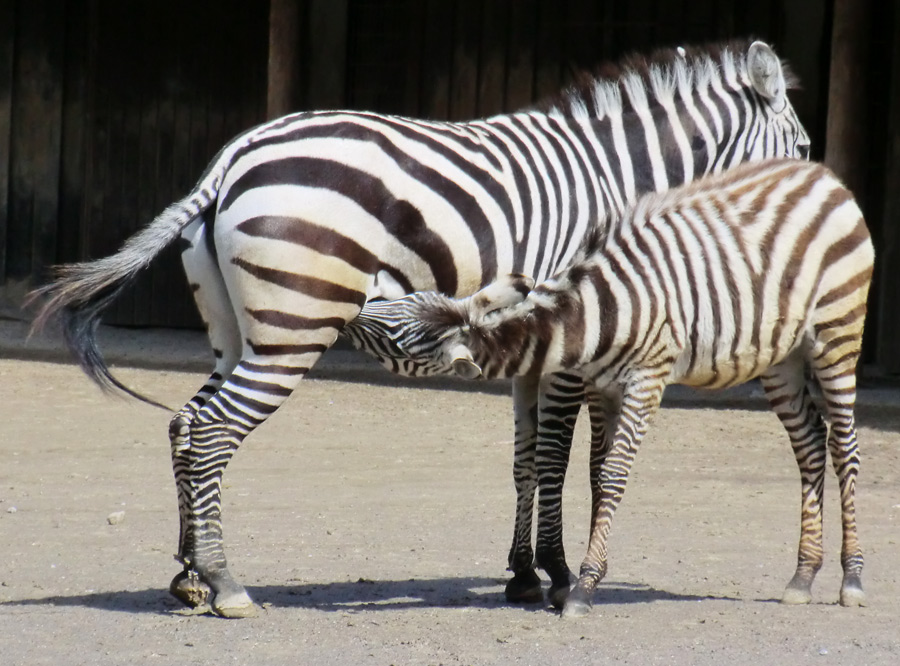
[
  {"x": 437, "y": 312},
  {"x": 639, "y": 80}
]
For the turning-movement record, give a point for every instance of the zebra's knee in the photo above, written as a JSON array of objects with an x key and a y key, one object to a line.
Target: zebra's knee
[{"x": 180, "y": 430}]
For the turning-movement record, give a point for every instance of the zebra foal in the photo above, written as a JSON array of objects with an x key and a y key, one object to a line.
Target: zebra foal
[{"x": 761, "y": 271}]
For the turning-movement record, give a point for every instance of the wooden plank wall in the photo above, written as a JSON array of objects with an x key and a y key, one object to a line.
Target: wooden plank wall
[
  {"x": 110, "y": 110},
  {"x": 7, "y": 40},
  {"x": 886, "y": 303},
  {"x": 33, "y": 112}
]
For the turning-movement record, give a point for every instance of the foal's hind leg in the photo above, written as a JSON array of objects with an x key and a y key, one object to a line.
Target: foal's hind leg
[
  {"x": 785, "y": 387},
  {"x": 837, "y": 379}
]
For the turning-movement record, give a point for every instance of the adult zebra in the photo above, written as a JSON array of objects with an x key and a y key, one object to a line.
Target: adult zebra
[
  {"x": 760, "y": 271},
  {"x": 297, "y": 223}
]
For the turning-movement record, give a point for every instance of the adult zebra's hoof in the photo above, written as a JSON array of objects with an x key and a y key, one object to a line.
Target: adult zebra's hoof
[
  {"x": 558, "y": 596},
  {"x": 561, "y": 584},
  {"x": 234, "y": 606},
  {"x": 230, "y": 601},
  {"x": 524, "y": 588}
]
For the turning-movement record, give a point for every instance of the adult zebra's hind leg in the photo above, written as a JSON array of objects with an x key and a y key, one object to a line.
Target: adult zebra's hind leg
[
  {"x": 786, "y": 389},
  {"x": 257, "y": 387},
  {"x": 211, "y": 297}
]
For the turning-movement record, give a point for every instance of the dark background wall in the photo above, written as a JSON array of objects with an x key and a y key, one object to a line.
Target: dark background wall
[{"x": 110, "y": 109}]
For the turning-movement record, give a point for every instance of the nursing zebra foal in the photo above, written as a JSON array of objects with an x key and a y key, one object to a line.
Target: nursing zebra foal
[
  {"x": 296, "y": 224},
  {"x": 761, "y": 271}
]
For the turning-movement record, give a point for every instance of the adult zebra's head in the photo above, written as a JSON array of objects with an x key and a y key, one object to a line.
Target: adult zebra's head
[
  {"x": 427, "y": 333},
  {"x": 781, "y": 134}
]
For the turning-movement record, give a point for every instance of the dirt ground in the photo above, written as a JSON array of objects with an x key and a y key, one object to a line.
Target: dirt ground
[{"x": 372, "y": 525}]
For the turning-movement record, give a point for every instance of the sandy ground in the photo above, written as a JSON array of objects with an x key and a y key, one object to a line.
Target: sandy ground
[{"x": 372, "y": 524}]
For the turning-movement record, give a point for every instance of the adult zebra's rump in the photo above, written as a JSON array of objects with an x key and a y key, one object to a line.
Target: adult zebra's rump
[
  {"x": 299, "y": 222},
  {"x": 762, "y": 271}
]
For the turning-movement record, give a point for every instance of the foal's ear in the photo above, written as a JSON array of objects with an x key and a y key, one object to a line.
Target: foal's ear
[
  {"x": 462, "y": 362},
  {"x": 506, "y": 291},
  {"x": 766, "y": 74}
]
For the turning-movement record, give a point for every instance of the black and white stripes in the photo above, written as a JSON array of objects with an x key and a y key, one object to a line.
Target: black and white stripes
[
  {"x": 299, "y": 222},
  {"x": 761, "y": 271}
]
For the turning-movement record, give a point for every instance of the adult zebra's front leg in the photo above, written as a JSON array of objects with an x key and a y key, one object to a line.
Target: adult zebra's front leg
[
  {"x": 545, "y": 411},
  {"x": 561, "y": 397},
  {"x": 525, "y": 585}
]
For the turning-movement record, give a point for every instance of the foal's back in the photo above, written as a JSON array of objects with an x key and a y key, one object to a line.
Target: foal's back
[{"x": 754, "y": 265}]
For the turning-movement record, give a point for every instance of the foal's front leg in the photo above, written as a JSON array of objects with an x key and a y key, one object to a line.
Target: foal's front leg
[{"x": 639, "y": 403}]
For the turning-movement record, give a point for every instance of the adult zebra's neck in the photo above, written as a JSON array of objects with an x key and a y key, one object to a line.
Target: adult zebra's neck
[{"x": 678, "y": 115}]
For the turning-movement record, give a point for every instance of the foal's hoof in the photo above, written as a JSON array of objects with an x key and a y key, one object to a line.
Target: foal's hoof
[
  {"x": 575, "y": 608},
  {"x": 190, "y": 590},
  {"x": 578, "y": 603},
  {"x": 852, "y": 596},
  {"x": 524, "y": 588},
  {"x": 796, "y": 596}
]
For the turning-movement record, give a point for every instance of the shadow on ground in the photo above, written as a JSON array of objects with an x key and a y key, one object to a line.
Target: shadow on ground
[{"x": 362, "y": 595}]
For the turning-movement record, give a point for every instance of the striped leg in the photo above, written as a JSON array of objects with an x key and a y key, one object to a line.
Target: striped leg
[
  {"x": 838, "y": 383},
  {"x": 786, "y": 390},
  {"x": 561, "y": 398},
  {"x": 604, "y": 411},
  {"x": 639, "y": 402},
  {"x": 279, "y": 347},
  {"x": 215, "y": 309},
  {"x": 525, "y": 585},
  {"x": 257, "y": 387}
]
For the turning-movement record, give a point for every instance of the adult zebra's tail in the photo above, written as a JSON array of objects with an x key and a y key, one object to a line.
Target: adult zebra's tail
[{"x": 81, "y": 292}]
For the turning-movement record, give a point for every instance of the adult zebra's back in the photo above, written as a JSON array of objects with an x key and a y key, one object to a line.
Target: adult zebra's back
[{"x": 297, "y": 223}]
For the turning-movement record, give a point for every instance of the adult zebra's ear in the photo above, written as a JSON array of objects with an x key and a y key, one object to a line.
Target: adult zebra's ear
[
  {"x": 766, "y": 75},
  {"x": 462, "y": 362}
]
